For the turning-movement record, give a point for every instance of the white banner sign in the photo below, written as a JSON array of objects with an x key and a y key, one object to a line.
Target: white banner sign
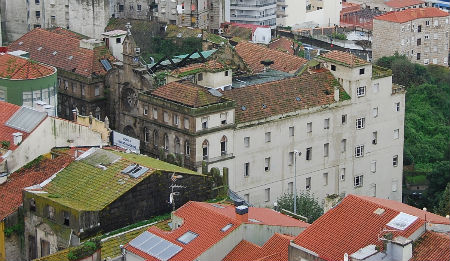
[{"x": 126, "y": 142}]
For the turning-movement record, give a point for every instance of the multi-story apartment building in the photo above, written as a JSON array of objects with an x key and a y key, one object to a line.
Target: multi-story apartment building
[
  {"x": 421, "y": 34},
  {"x": 259, "y": 12},
  {"x": 296, "y": 12}
]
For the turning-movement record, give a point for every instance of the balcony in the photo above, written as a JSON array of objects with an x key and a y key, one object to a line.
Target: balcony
[{"x": 222, "y": 157}]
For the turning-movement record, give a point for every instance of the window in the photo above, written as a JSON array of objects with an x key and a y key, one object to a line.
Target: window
[
  {"x": 38, "y": 14},
  {"x": 155, "y": 138},
  {"x": 333, "y": 67},
  {"x": 308, "y": 183},
  {"x": 139, "y": 7},
  {"x": 32, "y": 205},
  {"x": 358, "y": 181},
  {"x": 375, "y": 112},
  {"x": 186, "y": 123},
  {"x": 395, "y": 161},
  {"x": 223, "y": 145},
  {"x": 247, "y": 198},
  {"x": 155, "y": 113},
  {"x": 166, "y": 116},
  {"x": 96, "y": 90},
  {"x": 204, "y": 122},
  {"x": 83, "y": 90},
  {"x": 361, "y": 71},
  {"x": 418, "y": 56},
  {"x": 187, "y": 237},
  {"x": 200, "y": 77},
  {"x": 146, "y": 135},
  {"x": 51, "y": 212},
  {"x": 374, "y": 137},
  {"x": 145, "y": 111},
  {"x": 267, "y": 195},
  {"x": 343, "y": 145},
  {"x": 419, "y": 41},
  {"x": 66, "y": 218},
  {"x": 291, "y": 131},
  {"x": 205, "y": 147},
  {"x": 426, "y": 37},
  {"x": 326, "y": 147},
  {"x": 246, "y": 142},
  {"x": 342, "y": 174},
  {"x": 118, "y": 40},
  {"x": 290, "y": 187},
  {"x": 361, "y": 91},
  {"x": 267, "y": 164},
  {"x": 187, "y": 148},
  {"x": 360, "y": 123},
  {"x": 436, "y": 22},
  {"x": 177, "y": 145},
  {"x": 291, "y": 158},
  {"x": 309, "y": 127},
  {"x": 246, "y": 169},
  {"x": 419, "y": 28},
  {"x": 309, "y": 153},
  {"x": 325, "y": 179},
  {"x": 396, "y": 134},
  {"x": 226, "y": 73},
  {"x": 267, "y": 137},
  {"x": 37, "y": 2},
  {"x": 373, "y": 166},
  {"x": 427, "y": 23},
  {"x": 66, "y": 85},
  {"x": 176, "y": 119},
  {"x": 223, "y": 118},
  {"x": 376, "y": 87},
  {"x": 344, "y": 119},
  {"x": 166, "y": 142},
  {"x": 397, "y": 106},
  {"x": 359, "y": 151},
  {"x": 121, "y": 8},
  {"x": 326, "y": 124}
]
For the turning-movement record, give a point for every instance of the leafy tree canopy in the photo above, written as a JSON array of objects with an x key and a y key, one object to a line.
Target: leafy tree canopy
[{"x": 307, "y": 205}]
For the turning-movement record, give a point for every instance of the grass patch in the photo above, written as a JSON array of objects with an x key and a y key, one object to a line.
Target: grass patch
[{"x": 416, "y": 180}]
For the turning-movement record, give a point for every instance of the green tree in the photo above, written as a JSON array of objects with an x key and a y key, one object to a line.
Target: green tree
[
  {"x": 443, "y": 207},
  {"x": 438, "y": 179},
  {"x": 307, "y": 205}
]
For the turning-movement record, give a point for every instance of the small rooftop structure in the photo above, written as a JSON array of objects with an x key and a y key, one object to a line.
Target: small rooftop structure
[
  {"x": 344, "y": 58},
  {"x": 115, "y": 33}
]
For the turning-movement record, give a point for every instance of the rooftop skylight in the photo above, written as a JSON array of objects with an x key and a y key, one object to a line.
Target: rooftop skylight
[
  {"x": 225, "y": 228},
  {"x": 187, "y": 237}
]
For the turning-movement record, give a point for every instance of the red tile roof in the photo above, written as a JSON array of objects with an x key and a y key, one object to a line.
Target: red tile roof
[
  {"x": 344, "y": 58},
  {"x": 187, "y": 93},
  {"x": 11, "y": 190},
  {"x": 260, "y": 101},
  {"x": 283, "y": 44},
  {"x": 6, "y": 111},
  {"x": 352, "y": 225},
  {"x": 17, "y": 68},
  {"x": 61, "y": 48},
  {"x": 209, "y": 66},
  {"x": 411, "y": 14},
  {"x": 252, "y": 27},
  {"x": 207, "y": 221},
  {"x": 403, "y": 3},
  {"x": 276, "y": 248},
  {"x": 432, "y": 246},
  {"x": 253, "y": 54}
]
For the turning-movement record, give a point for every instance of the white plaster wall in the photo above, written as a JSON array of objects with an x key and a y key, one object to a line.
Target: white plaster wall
[
  {"x": 132, "y": 257},
  {"x": 116, "y": 48},
  {"x": 296, "y": 13},
  {"x": 14, "y": 19},
  {"x": 219, "y": 250},
  {"x": 259, "y": 234},
  {"x": 216, "y": 79},
  {"x": 262, "y": 35},
  {"x": 44, "y": 232}
]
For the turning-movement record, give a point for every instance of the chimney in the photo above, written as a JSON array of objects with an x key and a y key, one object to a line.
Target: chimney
[
  {"x": 242, "y": 213},
  {"x": 75, "y": 115},
  {"x": 17, "y": 138},
  {"x": 400, "y": 249},
  {"x": 266, "y": 64}
]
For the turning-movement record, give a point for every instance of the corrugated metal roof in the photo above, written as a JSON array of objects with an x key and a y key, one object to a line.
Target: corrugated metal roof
[{"x": 26, "y": 119}]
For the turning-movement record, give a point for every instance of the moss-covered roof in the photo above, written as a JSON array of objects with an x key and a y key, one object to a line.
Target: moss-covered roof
[{"x": 85, "y": 185}]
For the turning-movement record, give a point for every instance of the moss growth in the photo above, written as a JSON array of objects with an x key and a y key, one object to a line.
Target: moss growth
[
  {"x": 5, "y": 144},
  {"x": 85, "y": 250}
]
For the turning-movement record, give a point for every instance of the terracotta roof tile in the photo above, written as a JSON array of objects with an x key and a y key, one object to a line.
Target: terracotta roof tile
[
  {"x": 6, "y": 111},
  {"x": 283, "y": 44},
  {"x": 260, "y": 101},
  {"x": 186, "y": 93},
  {"x": 344, "y": 58},
  {"x": 403, "y": 3},
  {"x": 432, "y": 246},
  {"x": 61, "y": 48},
  {"x": 244, "y": 251},
  {"x": 253, "y": 54},
  {"x": 207, "y": 220},
  {"x": 411, "y": 14},
  {"x": 11, "y": 190},
  {"x": 209, "y": 66},
  {"x": 352, "y": 225},
  {"x": 17, "y": 68}
]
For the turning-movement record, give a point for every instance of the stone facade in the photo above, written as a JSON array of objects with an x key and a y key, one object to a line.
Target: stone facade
[{"x": 423, "y": 40}]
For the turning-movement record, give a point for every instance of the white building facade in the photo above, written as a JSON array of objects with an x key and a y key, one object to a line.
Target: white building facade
[
  {"x": 258, "y": 12},
  {"x": 294, "y": 12}
]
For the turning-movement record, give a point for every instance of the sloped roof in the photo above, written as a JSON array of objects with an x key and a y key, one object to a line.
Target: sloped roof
[
  {"x": 344, "y": 58},
  {"x": 432, "y": 246},
  {"x": 83, "y": 185},
  {"x": 61, "y": 48},
  {"x": 11, "y": 190},
  {"x": 207, "y": 220},
  {"x": 253, "y": 54},
  {"x": 186, "y": 93},
  {"x": 283, "y": 44},
  {"x": 209, "y": 66},
  {"x": 264, "y": 100},
  {"x": 353, "y": 224},
  {"x": 403, "y": 3},
  {"x": 411, "y": 14},
  {"x": 17, "y": 68}
]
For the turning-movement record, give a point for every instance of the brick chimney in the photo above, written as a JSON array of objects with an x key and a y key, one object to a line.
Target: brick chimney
[{"x": 242, "y": 213}]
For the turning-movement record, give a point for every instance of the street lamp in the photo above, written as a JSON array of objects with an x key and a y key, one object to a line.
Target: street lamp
[{"x": 296, "y": 152}]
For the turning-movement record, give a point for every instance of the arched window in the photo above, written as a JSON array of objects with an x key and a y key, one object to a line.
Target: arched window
[
  {"x": 146, "y": 135},
  {"x": 187, "y": 148},
  {"x": 223, "y": 145},
  {"x": 177, "y": 145},
  {"x": 205, "y": 148},
  {"x": 166, "y": 142},
  {"x": 155, "y": 138}
]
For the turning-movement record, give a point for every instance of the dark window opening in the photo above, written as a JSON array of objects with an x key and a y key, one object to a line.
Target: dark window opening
[
  {"x": 361, "y": 71},
  {"x": 333, "y": 67}
]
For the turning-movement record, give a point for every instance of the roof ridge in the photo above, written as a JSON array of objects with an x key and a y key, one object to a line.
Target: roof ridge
[{"x": 201, "y": 204}]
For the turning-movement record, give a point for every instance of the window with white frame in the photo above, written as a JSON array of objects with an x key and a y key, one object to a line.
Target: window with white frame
[
  {"x": 187, "y": 148},
  {"x": 396, "y": 134},
  {"x": 205, "y": 149},
  {"x": 97, "y": 91},
  {"x": 344, "y": 119},
  {"x": 325, "y": 179},
  {"x": 359, "y": 151},
  {"x": 267, "y": 195},
  {"x": 223, "y": 118},
  {"x": 375, "y": 112},
  {"x": 166, "y": 116},
  {"x": 246, "y": 169},
  {"x": 246, "y": 142},
  {"x": 395, "y": 161},
  {"x": 361, "y": 91},
  {"x": 308, "y": 183},
  {"x": 326, "y": 148},
  {"x": 267, "y": 164},
  {"x": 373, "y": 166},
  {"x": 360, "y": 123},
  {"x": 309, "y": 153},
  {"x": 146, "y": 135},
  {"x": 342, "y": 174},
  {"x": 223, "y": 145},
  {"x": 343, "y": 145},
  {"x": 155, "y": 113},
  {"x": 267, "y": 137},
  {"x": 374, "y": 138},
  {"x": 309, "y": 127},
  {"x": 186, "y": 123},
  {"x": 145, "y": 111},
  {"x": 176, "y": 119},
  {"x": 326, "y": 123},
  {"x": 427, "y": 23},
  {"x": 376, "y": 87},
  {"x": 358, "y": 181},
  {"x": 397, "y": 106},
  {"x": 204, "y": 122},
  {"x": 166, "y": 142},
  {"x": 436, "y": 22},
  {"x": 291, "y": 131}
]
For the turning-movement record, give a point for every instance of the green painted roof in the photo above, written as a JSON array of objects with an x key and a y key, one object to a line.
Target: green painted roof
[{"x": 83, "y": 185}]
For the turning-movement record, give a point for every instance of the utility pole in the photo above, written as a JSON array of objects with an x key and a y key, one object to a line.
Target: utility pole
[{"x": 296, "y": 152}]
